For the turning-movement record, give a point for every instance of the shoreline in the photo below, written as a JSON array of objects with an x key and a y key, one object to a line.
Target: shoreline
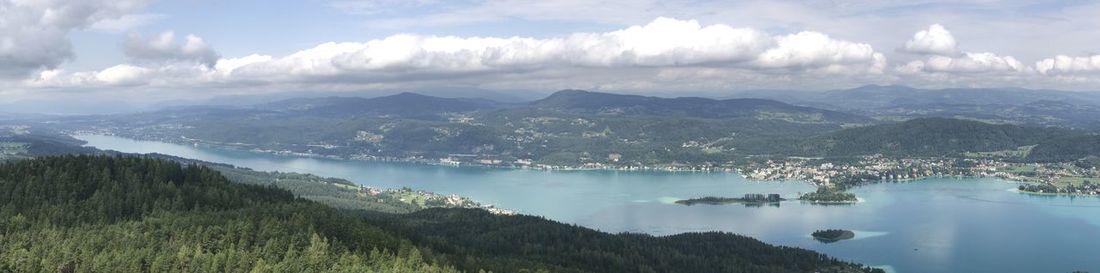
[
  {"x": 1056, "y": 194},
  {"x": 550, "y": 168},
  {"x": 430, "y": 162}
]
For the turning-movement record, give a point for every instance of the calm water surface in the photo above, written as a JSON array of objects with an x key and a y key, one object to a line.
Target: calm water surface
[{"x": 934, "y": 225}]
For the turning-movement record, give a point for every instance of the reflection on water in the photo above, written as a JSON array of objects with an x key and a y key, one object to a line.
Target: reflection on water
[
  {"x": 863, "y": 234},
  {"x": 668, "y": 200},
  {"x": 934, "y": 225}
]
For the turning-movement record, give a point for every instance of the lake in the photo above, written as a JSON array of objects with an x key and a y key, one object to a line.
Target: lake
[{"x": 931, "y": 225}]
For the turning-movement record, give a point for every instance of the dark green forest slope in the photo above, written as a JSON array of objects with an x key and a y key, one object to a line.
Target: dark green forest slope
[
  {"x": 926, "y": 137},
  {"x": 136, "y": 214},
  {"x": 129, "y": 214},
  {"x": 472, "y": 239}
]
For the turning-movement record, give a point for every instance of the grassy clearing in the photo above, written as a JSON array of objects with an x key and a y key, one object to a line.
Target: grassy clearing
[
  {"x": 1074, "y": 181},
  {"x": 1020, "y": 152}
]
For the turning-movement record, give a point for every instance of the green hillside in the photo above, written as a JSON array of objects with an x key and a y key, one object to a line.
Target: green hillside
[{"x": 926, "y": 137}]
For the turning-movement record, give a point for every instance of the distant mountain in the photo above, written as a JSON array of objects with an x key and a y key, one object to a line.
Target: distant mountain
[
  {"x": 585, "y": 102},
  {"x": 877, "y": 96},
  {"x": 403, "y": 104},
  {"x": 927, "y": 137},
  {"x": 70, "y": 106},
  {"x": 885, "y": 96},
  {"x": 20, "y": 116},
  {"x": 574, "y": 127},
  {"x": 1041, "y": 113},
  {"x": 997, "y": 105}
]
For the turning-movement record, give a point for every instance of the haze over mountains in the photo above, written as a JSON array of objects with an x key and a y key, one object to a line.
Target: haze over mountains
[
  {"x": 605, "y": 103},
  {"x": 997, "y": 105},
  {"x": 573, "y": 127},
  {"x": 894, "y": 100},
  {"x": 879, "y": 96},
  {"x": 864, "y": 104}
]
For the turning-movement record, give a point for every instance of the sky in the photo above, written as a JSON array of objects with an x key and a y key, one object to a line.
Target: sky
[{"x": 143, "y": 51}]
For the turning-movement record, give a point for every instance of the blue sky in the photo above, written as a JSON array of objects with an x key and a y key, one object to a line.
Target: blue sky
[{"x": 148, "y": 50}]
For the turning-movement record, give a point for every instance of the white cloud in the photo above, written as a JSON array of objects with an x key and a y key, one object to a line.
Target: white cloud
[
  {"x": 945, "y": 58},
  {"x": 664, "y": 54},
  {"x": 375, "y": 7},
  {"x": 934, "y": 40},
  {"x": 629, "y": 57},
  {"x": 815, "y": 50},
  {"x": 122, "y": 74},
  {"x": 226, "y": 66},
  {"x": 124, "y": 23},
  {"x": 663, "y": 42},
  {"x": 1062, "y": 64},
  {"x": 969, "y": 62},
  {"x": 33, "y": 34},
  {"x": 165, "y": 48}
]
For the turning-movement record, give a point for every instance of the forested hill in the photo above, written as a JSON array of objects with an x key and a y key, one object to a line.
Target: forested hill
[
  {"x": 39, "y": 144},
  {"x": 130, "y": 214},
  {"x": 587, "y": 102},
  {"x": 887, "y": 96},
  {"x": 136, "y": 214},
  {"x": 528, "y": 241},
  {"x": 1068, "y": 148},
  {"x": 404, "y": 105},
  {"x": 927, "y": 137}
]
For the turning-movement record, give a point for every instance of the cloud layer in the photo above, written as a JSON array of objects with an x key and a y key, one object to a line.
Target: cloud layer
[
  {"x": 1066, "y": 65},
  {"x": 934, "y": 40},
  {"x": 165, "y": 48},
  {"x": 660, "y": 44},
  {"x": 777, "y": 44},
  {"x": 664, "y": 54},
  {"x": 33, "y": 33},
  {"x": 664, "y": 42}
]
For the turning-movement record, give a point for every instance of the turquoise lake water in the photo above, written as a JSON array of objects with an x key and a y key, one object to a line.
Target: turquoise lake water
[{"x": 931, "y": 225}]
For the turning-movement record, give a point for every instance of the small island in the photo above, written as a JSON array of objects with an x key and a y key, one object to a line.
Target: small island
[
  {"x": 829, "y": 195},
  {"x": 752, "y": 198},
  {"x": 833, "y": 235}
]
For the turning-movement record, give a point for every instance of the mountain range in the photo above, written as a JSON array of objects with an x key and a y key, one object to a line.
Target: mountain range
[
  {"x": 573, "y": 127},
  {"x": 995, "y": 105}
]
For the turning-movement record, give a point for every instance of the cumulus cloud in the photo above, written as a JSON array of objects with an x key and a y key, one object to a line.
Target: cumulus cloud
[
  {"x": 815, "y": 50},
  {"x": 33, "y": 34},
  {"x": 944, "y": 57},
  {"x": 165, "y": 48},
  {"x": 934, "y": 40},
  {"x": 640, "y": 51},
  {"x": 663, "y": 42},
  {"x": 122, "y": 74},
  {"x": 969, "y": 62},
  {"x": 1063, "y": 65},
  {"x": 124, "y": 23}
]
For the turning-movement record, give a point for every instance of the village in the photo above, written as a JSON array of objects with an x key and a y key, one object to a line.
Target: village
[
  {"x": 427, "y": 199},
  {"x": 1045, "y": 177}
]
